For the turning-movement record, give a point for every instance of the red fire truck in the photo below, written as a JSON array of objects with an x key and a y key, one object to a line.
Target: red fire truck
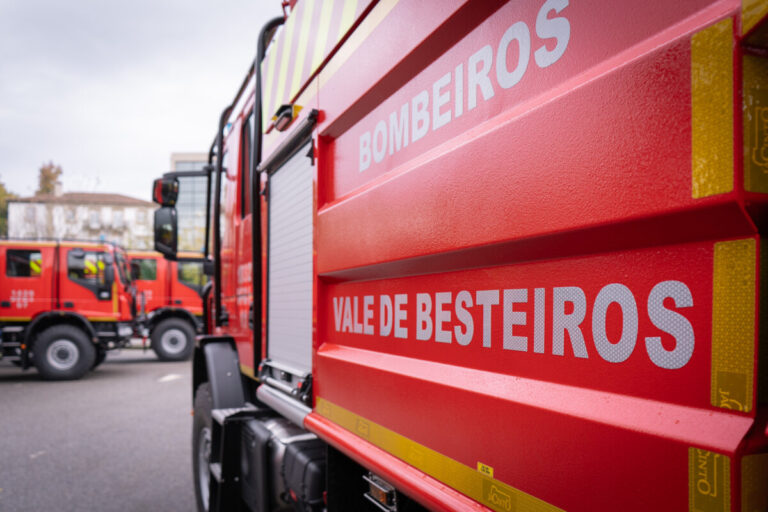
[
  {"x": 502, "y": 255},
  {"x": 170, "y": 292},
  {"x": 63, "y": 305}
]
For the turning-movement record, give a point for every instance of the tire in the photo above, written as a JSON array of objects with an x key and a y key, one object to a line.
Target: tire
[
  {"x": 173, "y": 339},
  {"x": 63, "y": 352},
  {"x": 201, "y": 445}
]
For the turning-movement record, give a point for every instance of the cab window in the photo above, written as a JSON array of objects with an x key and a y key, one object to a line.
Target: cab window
[
  {"x": 89, "y": 269},
  {"x": 190, "y": 273},
  {"x": 146, "y": 268},
  {"x": 23, "y": 263}
]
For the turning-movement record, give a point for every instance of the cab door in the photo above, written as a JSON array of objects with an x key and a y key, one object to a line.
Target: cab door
[
  {"x": 89, "y": 286},
  {"x": 151, "y": 279},
  {"x": 27, "y": 288}
]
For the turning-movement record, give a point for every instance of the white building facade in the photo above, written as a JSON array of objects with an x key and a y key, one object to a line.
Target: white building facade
[{"x": 83, "y": 216}]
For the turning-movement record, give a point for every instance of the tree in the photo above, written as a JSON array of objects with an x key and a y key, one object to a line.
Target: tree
[
  {"x": 5, "y": 195},
  {"x": 48, "y": 179}
]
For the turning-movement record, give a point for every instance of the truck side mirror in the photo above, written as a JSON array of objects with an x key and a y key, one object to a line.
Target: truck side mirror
[
  {"x": 165, "y": 191},
  {"x": 166, "y": 232}
]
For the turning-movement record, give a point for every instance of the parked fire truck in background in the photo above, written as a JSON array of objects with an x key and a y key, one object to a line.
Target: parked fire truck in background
[
  {"x": 170, "y": 291},
  {"x": 63, "y": 305},
  {"x": 501, "y": 255}
]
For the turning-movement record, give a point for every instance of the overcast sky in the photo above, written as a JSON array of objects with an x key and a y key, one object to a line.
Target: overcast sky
[{"x": 108, "y": 90}]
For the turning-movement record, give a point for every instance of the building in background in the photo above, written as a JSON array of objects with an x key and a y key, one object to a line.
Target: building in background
[
  {"x": 83, "y": 216},
  {"x": 190, "y": 204}
]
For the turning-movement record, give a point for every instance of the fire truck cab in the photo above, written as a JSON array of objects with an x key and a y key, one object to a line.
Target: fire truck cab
[
  {"x": 170, "y": 292},
  {"x": 63, "y": 305}
]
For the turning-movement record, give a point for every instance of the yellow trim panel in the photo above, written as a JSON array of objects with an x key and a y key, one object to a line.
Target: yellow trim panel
[
  {"x": 755, "y": 122},
  {"x": 475, "y": 483},
  {"x": 733, "y": 324},
  {"x": 752, "y": 11},
  {"x": 709, "y": 481},
  {"x": 712, "y": 110}
]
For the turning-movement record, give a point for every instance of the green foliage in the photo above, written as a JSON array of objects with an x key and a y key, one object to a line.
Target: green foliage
[{"x": 48, "y": 178}]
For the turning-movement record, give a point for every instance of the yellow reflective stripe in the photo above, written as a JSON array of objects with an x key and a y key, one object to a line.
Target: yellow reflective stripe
[
  {"x": 709, "y": 481},
  {"x": 376, "y": 16},
  {"x": 15, "y": 318},
  {"x": 733, "y": 324},
  {"x": 102, "y": 319},
  {"x": 268, "y": 82},
  {"x": 321, "y": 41},
  {"x": 473, "y": 483},
  {"x": 301, "y": 50},
  {"x": 114, "y": 297},
  {"x": 287, "y": 41},
  {"x": 752, "y": 11},
  {"x": 712, "y": 110},
  {"x": 249, "y": 371},
  {"x": 347, "y": 17},
  {"x": 755, "y": 121},
  {"x": 754, "y": 483}
]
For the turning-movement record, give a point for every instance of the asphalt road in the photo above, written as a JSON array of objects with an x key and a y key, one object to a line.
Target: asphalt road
[{"x": 117, "y": 440}]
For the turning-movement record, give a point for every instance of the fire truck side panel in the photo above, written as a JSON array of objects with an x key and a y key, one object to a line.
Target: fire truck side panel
[
  {"x": 153, "y": 286},
  {"x": 586, "y": 173},
  {"x": 526, "y": 405},
  {"x": 28, "y": 283}
]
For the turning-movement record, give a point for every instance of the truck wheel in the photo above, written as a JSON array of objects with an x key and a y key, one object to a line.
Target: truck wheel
[
  {"x": 201, "y": 445},
  {"x": 173, "y": 340},
  {"x": 63, "y": 352}
]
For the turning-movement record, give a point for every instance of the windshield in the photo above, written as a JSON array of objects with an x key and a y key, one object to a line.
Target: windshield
[{"x": 122, "y": 267}]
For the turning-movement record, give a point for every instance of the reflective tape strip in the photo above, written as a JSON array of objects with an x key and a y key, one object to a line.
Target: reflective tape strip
[
  {"x": 321, "y": 41},
  {"x": 114, "y": 297},
  {"x": 285, "y": 58},
  {"x": 268, "y": 83},
  {"x": 733, "y": 324},
  {"x": 472, "y": 482},
  {"x": 709, "y": 481},
  {"x": 712, "y": 110},
  {"x": 754, "y": 483},
  {"x": 15, "y": 318},
  {"x": 301, "y": 49},
  {"x": 752, "y": 11},
  {"x": 369, "y": 24},
  {"x": 247, "y": 370},
  {"x": 347, "y": 17},
  {"x": 755, "y": 122}
]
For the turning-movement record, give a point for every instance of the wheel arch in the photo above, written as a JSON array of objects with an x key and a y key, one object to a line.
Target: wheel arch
[
  {"x": 51, "y": 318},
  {"x": 164, "y": 313},
  {"x": 215, "y": 360}
]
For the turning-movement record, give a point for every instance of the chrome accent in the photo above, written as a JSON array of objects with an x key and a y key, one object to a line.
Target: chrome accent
[{"x": 283, "y": 404}]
